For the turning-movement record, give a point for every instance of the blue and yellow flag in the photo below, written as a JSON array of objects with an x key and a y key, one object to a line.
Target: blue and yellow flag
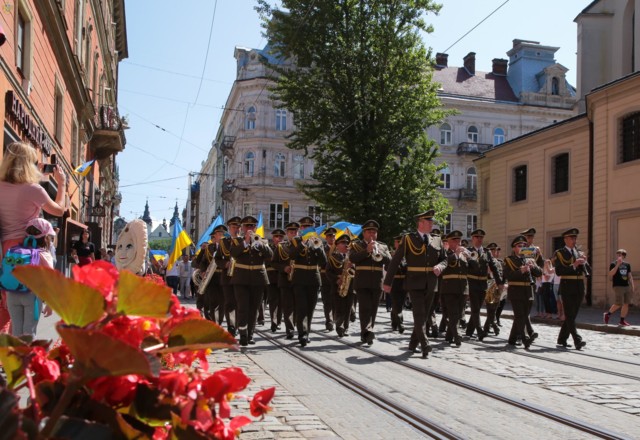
[
  {"x": 180, "y": 241},
  {"x": 343, "y": 227},
  {"x": 205, "y": 237},
  {"x": 308, "y": 233},
  {"x": 260, "y": 227},
  {"x": 84, "y": 169}
]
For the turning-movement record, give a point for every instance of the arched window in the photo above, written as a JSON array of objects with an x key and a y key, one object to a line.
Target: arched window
[
  {"x": 445, "y": 134},
  {"x": 555, "y": 86},
  {"x": 298, "y": 166},
  {"x": 249, "y": 163},
  {"x": 250, "y": 118},
  {"x": 281, "y": 120},
  {"x": 445, "y": 176},
  {"x": 278, "y": 165},
  {"x": 472, "y": 179},
  {"x": 498, "y": 136},
  {"x": 472, "y": 134}
]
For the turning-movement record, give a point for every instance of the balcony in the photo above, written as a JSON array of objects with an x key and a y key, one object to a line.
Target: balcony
[
  {"x": 108, "y": 138},
  {"x": 228, "y": 187},
  {"x": 226, "y": 147},
  {"x": 473, "y": 148},
  {"x": 468, "y": 194}
]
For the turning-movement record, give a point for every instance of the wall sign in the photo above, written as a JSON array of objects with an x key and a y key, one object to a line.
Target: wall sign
[{"x": 30, "y": 128}]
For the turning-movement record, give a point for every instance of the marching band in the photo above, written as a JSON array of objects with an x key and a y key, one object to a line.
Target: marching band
[{"x": 238, "y": 270}]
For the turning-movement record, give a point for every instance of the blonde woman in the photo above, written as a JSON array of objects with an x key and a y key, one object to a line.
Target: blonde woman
[{"x": 22, "y": 199}]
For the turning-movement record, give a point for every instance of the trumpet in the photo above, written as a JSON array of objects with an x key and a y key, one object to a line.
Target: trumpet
[
  {"x": 313, "y": 243},
  {"x": 376, "y": 254},
  {"x": 465, "y": 254},
  {"x": 258, "y": 242}
]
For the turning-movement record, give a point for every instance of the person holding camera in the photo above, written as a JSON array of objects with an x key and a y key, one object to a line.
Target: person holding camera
[{"x": 623, "y": 286}]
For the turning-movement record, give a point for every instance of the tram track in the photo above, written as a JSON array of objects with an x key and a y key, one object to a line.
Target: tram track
[{"x": 418, "y": 420}]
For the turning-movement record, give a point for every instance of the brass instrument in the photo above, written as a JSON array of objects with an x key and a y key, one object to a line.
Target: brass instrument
[
  {"x": 464, "y": 254},
  {"x": 492, "y": 294},
  {"x": 585, "y": 266},
  {"x": 292, "y": 265},
  {"x": 473, "y": 255},
  {"x": 232, "y": 267},
  {"x": 206, "y": 279},
  {"x": 376, "y": 254},
  {"x": 258, "y": 242},
  {"x": 196, "y": 277},
  {"x": 313, "y": 243},
  {"x": 347, "y": 275}
]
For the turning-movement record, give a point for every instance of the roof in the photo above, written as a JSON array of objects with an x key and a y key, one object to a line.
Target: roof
[{"x": 486, "y": 85}]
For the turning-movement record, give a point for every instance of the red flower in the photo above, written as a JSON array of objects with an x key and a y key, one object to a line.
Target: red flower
[
  {"x": 43, "y": 367},
  {"x": 155, "y": 278},
  {"x": 173, "y": 383},
  {"x": 118, "y": 391},
  {"x": 99, "y": 275},
  {"x": 223, "y": 382},
  {"x": 131, "y": 330},
  {"x": 260, "y": 402},
  {"x": 230, "y": 431}
]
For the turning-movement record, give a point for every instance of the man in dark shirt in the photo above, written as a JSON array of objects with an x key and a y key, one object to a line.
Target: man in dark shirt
[{"x": 623, "y": 287}]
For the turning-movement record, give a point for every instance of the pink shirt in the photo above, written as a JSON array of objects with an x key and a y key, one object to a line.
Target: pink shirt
[{"x": 19, "y": 203}]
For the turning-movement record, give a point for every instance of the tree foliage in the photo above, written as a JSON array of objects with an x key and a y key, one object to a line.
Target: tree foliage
[{"x": 358, "y": 79}]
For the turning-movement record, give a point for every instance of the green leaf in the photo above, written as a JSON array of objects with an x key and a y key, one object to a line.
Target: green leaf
[
  {"x": 75, "y": 303},
  {"x": 102, "y": 355},
  {"x": 12, "y": 355},
  {"x": 197, "y": 334},
  {"x": 141, "y": 297}
]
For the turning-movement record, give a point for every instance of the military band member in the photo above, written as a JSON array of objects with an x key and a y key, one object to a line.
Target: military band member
[
  {"x": 273, "y": 290},
  {"x": 530, "y": 234},
  {"x": 336, "y": 276},
  {"x": 308, "y": 256},
  {"x": 398, "y": 294},
  {"x": 225, "y": 262},
  {"x": 282, "y": 262},
  {"x": 213, "y": 297},
  {"x": 490, "y": 321},
  {"x": 495, "y": 251},
  {"x": 369, "y": 256},
  {"x": 325, "y": 289},
  {"x": 478, "y": 274},
  {"x": 572, "y": 268},
  {"x": 249, "y": 277},
  {"x": 520, "y": 274},
  {"x": 425, "y": 257},
  {"x": 453, "y": 285}
]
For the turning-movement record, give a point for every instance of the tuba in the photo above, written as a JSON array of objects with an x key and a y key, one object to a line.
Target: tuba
[
  {"x": 206, "y": 279},
  {"x": 347, "y": 275},
  {"x": 196, "y": 277}
]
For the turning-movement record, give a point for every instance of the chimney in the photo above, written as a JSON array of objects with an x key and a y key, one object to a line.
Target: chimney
[
  {"x": 499, "y": 66},
  {"x": 470, "y": 63},
  {"x": 441, "y": 59}
]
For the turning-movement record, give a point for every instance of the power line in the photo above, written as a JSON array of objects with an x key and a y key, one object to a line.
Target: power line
[
  {"x": 153, "y": 181},
  {"x": 172, "y": 72},
  {"x": 206, "y": 57}
]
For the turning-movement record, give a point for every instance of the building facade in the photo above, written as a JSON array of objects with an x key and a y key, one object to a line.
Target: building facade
[{"x": 59, "y": 79}]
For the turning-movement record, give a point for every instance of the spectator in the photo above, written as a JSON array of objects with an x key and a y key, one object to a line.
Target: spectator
[
  {"x": 110, "y": 257},
  {"x": 172, "y": 277},
  {"x": 184, "y": 272},
  {"x": 25, "y": 307},
  {"x": 103, "y": 254},
  {"x": 623, "y": 286},
  {"x": 22, "y": 199},
  {"x": 85, "y": 250}
]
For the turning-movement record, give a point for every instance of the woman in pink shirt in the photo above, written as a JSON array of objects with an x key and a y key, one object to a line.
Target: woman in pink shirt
[{"x": 21, "y": 200}]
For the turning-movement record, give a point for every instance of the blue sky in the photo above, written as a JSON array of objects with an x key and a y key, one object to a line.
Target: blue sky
[{"x": 177, "y": 79}]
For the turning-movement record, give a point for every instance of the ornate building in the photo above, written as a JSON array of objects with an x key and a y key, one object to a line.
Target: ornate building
[{"x": 59, "y": 80}]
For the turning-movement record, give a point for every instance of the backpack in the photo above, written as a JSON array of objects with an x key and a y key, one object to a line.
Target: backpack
[{"x": 27, "y": 254}]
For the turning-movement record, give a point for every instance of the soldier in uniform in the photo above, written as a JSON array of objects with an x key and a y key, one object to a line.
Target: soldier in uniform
[
  {"x": 520, "y": 274},
  {"x": 308, "y": 259},
  {"x": 425, "y": 257},
  {"x": 530, "y": 234},
  {"x": 572, "y": 268},
  {"x": 284, "y": 264},
  {"x": 478, "y": 275},
  {"x": 336, "y": 276},
  {"x": 225, "y": 262},
  {"x": 325, "y": 289},
  {"x": 453, "y": 285},
  {"x": 369, "y": 256},
  {"x": 249, "y": 277},
  {"x": 490, "y": 321},
  {"x": 398, "y": 294},
  {"x": 273, "y": 290},
  {"x": 213, "y": 297}
]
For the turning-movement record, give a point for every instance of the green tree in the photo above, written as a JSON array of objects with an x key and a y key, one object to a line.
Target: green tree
[
  {"x": 358, "y": 79},
  {"x": 161, "y": 244}
]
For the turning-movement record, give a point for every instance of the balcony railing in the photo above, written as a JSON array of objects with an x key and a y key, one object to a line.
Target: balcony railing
[
  {"x": 108, "y": 138},
  {"x": 468, "y": 194},
  {"x": 227, "y": 145},
  {"x": 473, "y": 148},
  {"x": 228, "y": 187}
]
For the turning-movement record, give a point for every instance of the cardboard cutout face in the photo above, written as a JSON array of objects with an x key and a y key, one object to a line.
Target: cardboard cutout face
[{"x": 131, "y": 247}]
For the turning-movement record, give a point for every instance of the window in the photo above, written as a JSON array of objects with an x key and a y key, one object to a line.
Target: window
[
  {"x": 445, "y": 134},
  {"x": 317, "y": 213},
  {"x": 520, "y": 183},
  {"x": 472, "y": 179},
  {"x": 498, "y": 136},
  {"x": 281, "y": 120},
  {"x": 445, "y": 177},
  {"x": 23, "y": 41},
  {"x": 94, "y": 82},
  {"x": 630, "y": 138},
  {"x": 278, "y": 165},
  {"x": 251, "y": 118},
  {"x": 560, "y": 173},
  {"x": 278, "y": 215},
  {"x": 555, "y": 86},
  {"x": 472, "y": 223},
  {"x": 86, "y": 61},
  {"x": 298, "y": 166},
  {"x": 79, "y": 20},
  {"x": 75, "y": 145},
  {"x": 249, "y": 162},
  {"x": 58, "y": 115},
  {"x": 447, "y": 226},
  {"x": 472, "y": 134}
]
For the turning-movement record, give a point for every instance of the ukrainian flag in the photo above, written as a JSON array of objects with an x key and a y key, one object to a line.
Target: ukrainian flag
[
  {"x": 180, "y": 241},
  {"x": 308, "y": 233},
  {"x": 205, "y": 237},
  {"x": 344, "y": 227},
  {"x": 260, "y": 227},
  {"x": 84, "y": 169}
]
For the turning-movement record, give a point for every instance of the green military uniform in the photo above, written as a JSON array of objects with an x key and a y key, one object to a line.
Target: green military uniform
[
  {"x": 273, "y": 290},
  {"x": 452, "y": 288},
  {"x": 398, "y": 295},
  {"x": 225, "y": 263},
  {"x": 325, "y": 288},
  {"x": 281, "y": 261},
  {"x": 335, "y": 276}
]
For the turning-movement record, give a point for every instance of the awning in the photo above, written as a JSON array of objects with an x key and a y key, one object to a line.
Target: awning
[{"x": 76, "y": 224}]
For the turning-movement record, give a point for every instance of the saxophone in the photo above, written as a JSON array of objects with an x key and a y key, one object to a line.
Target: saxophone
[
  {"x": 232, "y": 266},
  {"x": 347, "y": 275},
  {"x": 493, "y": 294}
]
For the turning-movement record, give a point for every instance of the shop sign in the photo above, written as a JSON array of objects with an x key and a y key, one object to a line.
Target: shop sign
[{"x": 31, "y": 129}]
